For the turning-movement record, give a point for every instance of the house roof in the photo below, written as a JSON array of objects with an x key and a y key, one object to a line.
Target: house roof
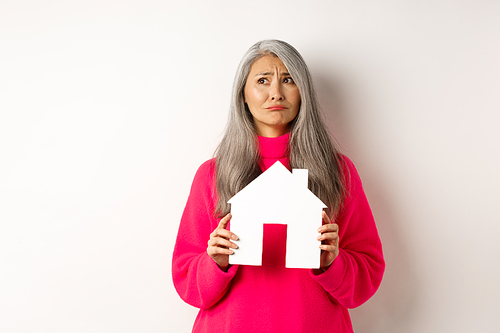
[{"x": 278, "y": 186}]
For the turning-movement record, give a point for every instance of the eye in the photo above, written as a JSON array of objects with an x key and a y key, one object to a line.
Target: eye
[
  {"x": 288, "y": 80},
  {"x": 262, "y": 80}
]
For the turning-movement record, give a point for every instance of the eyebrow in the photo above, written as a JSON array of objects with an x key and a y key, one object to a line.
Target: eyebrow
[{"x": 270, "y": 73}]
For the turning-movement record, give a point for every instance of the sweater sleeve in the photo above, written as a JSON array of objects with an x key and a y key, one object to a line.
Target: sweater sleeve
[
  {"x": 197, "y": 278},
  {"x": 356, "y": 273}
]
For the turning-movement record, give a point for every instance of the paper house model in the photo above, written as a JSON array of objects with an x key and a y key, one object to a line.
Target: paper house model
[{"x": 277, "y": 196}]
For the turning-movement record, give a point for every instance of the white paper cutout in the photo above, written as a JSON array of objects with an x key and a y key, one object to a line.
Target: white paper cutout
[{"x": 280, "y": 197}]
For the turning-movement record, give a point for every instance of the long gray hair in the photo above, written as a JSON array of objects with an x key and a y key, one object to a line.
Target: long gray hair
[{"x": 310, "y": 145}]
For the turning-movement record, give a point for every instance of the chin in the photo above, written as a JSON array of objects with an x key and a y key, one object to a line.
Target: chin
[{"x": 278, "y": 121}]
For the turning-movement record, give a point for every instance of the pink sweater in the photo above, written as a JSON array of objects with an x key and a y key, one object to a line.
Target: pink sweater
[{"x": 272, "y": 298}]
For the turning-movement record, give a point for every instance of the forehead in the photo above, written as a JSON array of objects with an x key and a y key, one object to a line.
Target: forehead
[{"x": 268, "y": 63}]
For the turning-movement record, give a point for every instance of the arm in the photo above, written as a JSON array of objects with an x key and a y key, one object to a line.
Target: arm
[
  {"x": 356, "y": 272},
  {"x": 197, "y": 278}
]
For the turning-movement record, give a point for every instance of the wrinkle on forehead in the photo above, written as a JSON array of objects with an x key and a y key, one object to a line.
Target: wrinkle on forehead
[{"x": 272, "y": 67}]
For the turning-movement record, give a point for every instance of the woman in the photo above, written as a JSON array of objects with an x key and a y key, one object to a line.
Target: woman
[{"x": 274, "y": 116}]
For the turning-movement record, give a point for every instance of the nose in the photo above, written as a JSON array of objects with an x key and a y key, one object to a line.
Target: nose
[{"x": 275, "y": 92}]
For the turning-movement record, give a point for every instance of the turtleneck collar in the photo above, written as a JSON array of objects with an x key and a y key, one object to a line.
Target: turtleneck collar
[{"x": 274, "y": 148}]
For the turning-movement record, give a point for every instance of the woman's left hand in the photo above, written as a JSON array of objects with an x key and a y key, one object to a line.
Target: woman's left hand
[{"x": 329, "y": 242}]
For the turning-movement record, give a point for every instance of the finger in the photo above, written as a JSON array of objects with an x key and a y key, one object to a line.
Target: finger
[
  {"x": 213, "y": 251},
  {"x": 224, "y": 234},
  {"x": 326, "y": 219},
  {"x": 221, "y": 228},
  {"x": 224, "y": 221},
  {"x": 332, "y": 227},
  {"x": 329, "y": 248},
  {"x": 333, "y": 236},
  {"x": 221, "y": 242}
]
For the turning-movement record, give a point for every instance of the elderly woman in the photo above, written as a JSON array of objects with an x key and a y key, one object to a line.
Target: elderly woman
[{"x": 274, "y": 116}]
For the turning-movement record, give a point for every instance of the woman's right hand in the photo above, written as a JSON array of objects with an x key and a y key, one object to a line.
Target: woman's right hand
[{"x": 219, "y": 246}]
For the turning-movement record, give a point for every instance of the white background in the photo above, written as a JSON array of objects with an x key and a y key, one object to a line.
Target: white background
[{"x": 107, "y": 108}]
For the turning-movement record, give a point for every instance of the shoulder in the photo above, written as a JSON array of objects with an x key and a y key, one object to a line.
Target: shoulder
[
  {"x": 205, "y": 176},
  {"x": 206, "y": 169},
  {"x": 205, "y": 172}
]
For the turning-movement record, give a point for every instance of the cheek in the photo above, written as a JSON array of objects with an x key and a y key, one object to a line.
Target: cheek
[
  {"x": 293, "y": 95},
  {"x": 296, "y": 100},
  {"x": 254, "y": 96}
]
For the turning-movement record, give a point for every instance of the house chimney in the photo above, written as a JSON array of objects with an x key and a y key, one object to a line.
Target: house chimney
[{"x": 299, "y": 177}]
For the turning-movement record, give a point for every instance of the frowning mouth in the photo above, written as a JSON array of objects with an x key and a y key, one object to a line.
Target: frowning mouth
[{"x": 276, "y": 107}]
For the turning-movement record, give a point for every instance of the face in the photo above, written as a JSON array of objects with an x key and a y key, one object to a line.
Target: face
[{"x": 272, "y": 96}]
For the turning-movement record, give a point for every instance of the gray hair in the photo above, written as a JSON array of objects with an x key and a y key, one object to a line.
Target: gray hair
[{"x": 310, "y": 145}]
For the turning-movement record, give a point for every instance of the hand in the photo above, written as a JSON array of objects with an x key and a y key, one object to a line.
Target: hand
[
  {"x": 329, "y": 242},
  {"x": 219, "y": 245}
]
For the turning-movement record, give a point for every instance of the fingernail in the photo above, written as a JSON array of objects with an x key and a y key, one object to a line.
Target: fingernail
[{"x": 234, "y": 237}]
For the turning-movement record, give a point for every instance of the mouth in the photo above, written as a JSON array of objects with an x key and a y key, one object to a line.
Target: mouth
[{"x": 276, "y": 108}]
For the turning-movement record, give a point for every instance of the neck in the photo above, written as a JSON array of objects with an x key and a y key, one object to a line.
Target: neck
[
  {"x": 272, "y": 150},
  {"x": 271, "y": 131}
]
